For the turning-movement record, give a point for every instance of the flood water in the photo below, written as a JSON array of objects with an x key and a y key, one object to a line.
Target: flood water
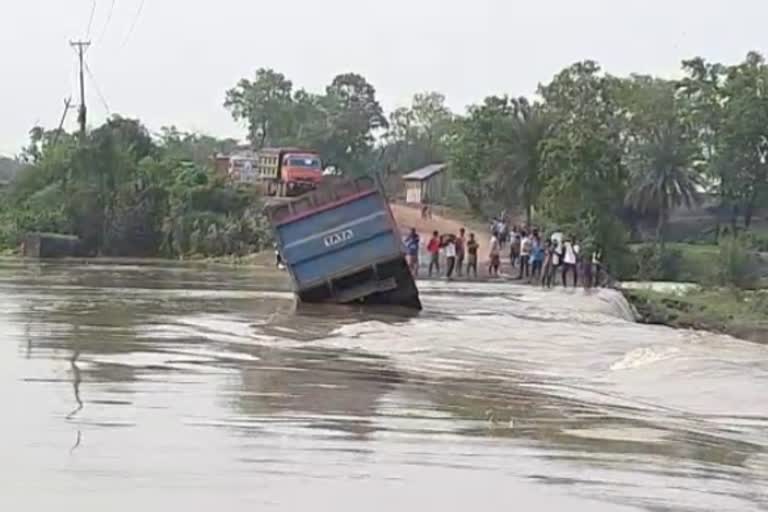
[{"x": 150, "y": 386}]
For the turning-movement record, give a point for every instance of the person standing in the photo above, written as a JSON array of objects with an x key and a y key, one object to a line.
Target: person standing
[
  {"x": 525, "y": 255},
  {"x": 450, "y": 255},
  {"x": 557, "y": 258},
  {"x": 548, "y": 268},
  {"x": 495, "y": 257},
  {"x": 537, "y": 257},
  {"x": 472, "y": 248},
  {"x": 412, "y": 243},
  {"x": 597, "y": 266},
  {"x": 461, "y": 243},
  {"x": 433, "y": 248},
  {"x": 514, "y": 247},
  {"x": 570, "y": 261}
]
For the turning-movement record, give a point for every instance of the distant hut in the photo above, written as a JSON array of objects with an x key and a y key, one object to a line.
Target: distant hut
[
  {"x": 427, "y": 185},
  {"x": 50, "y": 245}
]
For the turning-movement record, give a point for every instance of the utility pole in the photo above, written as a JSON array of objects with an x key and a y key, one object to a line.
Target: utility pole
[
  {"x": 67, "y": 106},
  {"x": 81, "y": 47}
]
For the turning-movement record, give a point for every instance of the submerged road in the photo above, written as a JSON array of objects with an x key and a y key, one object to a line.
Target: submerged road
[{"x": 155, "y": 385}]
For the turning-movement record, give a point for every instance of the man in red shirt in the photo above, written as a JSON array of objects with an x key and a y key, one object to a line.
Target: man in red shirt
[{"x": 433, "y": 248}]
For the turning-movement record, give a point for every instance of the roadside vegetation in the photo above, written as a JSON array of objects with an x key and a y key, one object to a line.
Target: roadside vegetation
[{"x": 124, "y": 193}]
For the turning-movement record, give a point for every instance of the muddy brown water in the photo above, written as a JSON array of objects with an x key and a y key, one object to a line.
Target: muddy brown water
[{"x": 148, "y": 385}]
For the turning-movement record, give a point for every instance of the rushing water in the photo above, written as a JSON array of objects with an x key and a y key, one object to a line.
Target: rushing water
[{"x": 154, "y": 385}]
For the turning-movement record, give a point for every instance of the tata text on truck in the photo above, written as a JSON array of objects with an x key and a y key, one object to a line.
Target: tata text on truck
[
  {"x": 341, "y": 244},
  {"x": 283, "y": 172}
]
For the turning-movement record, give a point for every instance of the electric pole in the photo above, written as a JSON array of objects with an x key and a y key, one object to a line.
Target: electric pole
[
  {"x": 80, "y": 47},
  {"x": 67, "y": 106}
]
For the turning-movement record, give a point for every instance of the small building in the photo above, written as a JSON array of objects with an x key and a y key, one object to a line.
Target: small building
[
  {"x": 427, "y": 185},
  {"x": 50, "y": 245}
]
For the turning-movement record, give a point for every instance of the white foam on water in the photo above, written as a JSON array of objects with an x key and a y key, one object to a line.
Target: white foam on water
[{"x": 645, "y": 356}]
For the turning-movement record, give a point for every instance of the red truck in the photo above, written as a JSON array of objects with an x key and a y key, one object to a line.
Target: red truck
[{"x": 284, "y": 172}]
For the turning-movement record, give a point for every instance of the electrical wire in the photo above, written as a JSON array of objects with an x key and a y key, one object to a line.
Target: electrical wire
[
  {"x": 90, "y": 20},
  {"x": 98, "y": 90},
  {"x": 109, "y": 19},
  {"x": 133, "y": 24}
]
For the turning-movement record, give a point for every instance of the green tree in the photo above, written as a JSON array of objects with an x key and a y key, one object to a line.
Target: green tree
[
  {"x": 702, "y": 90},
  {"x": 266, "y": 105},
  {"x": 123, "y": 194},
  {"x": 743, "y": 141},
  {"x": 586, "y": 180},
  {"x": 354, "y": 115},
  {"x": 520, "y": 175},
  {"x": 478, "y": 150},
  {"x": 193, "y": 147},
  {"x": 418, "y": 135},
  {"x": 662, "y": 151}
]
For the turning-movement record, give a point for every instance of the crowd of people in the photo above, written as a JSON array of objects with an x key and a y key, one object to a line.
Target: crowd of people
[
  {"x": 532, "y": 257},
  {"x": 459, "y": 253}
]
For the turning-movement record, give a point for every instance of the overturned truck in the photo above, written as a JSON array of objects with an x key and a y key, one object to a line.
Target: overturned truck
[{"x": 341, "y": 244}]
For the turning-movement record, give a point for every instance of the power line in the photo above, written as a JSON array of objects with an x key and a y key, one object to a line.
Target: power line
[
  {"x": 90, "y": 20},
  {"x": 98, "y": 90},
  {"x": 133, "y": 24},
  {"x": 106, "y": 24}
]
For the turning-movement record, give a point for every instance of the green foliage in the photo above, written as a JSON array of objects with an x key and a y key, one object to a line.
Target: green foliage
[
  {"x": 737, "y": 264},
  {"x": 418, "y": 135},
  {"x": 737, "y": 313},
  {"x": 654, "y": 264},
  {"x": 124, "y": 194},
  {"x": 728, "y": 106},
  {"x": 662, "y": 150},
  {"x": 586, "y": 179},
  {"x": 8, "y": 168}
]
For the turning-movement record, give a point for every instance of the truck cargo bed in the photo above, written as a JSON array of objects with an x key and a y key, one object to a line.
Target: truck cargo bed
[{"x": 341, "y": 244}]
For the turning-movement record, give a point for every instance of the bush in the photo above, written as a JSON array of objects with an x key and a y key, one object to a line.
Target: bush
[
  {"x": 653, "y": 264},
  {"x": 738, "y": 265},
  {"x": 758, "y": 242}
]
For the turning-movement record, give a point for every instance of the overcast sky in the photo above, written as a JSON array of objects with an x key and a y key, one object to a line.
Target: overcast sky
[{"x": 182, "y": 55}]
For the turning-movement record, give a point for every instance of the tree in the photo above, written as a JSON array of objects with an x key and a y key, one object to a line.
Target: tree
[
  {"x": 477, "y": 150},
  {"x": 702, "y": 90},
  {"x": 193, "y": 147},
  {"x": 8, "y": 168},
  {"x": 432, "y": 121},
  {"x": 662, "y": 150},
  {"x": 354, "y": 115},
  {"x": 743, "y": 141},
  {"x": 418, "y": 135},
  {"x": 266, "y": 105},
  {"x": 586, "y": 180},
  {"x": 124, "y": 195},
  {"x": 521, "y": 174}
]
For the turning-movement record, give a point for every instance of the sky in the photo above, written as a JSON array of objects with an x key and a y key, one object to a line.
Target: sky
[{"x": 169, "y": 62}]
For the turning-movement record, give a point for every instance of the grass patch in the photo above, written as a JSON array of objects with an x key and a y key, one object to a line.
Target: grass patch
[{"x": 739, "y": 313}]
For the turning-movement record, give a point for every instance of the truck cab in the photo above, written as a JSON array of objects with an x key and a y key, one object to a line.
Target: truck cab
[{"x": 302, "y": 167}]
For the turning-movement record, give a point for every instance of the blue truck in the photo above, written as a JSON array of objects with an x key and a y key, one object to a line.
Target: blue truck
[{"x": 340, "y": 243}]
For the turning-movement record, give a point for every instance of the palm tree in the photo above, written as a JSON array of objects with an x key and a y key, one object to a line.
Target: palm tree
[
  {"x": 520, "y": 172},
  {"x": 663, "y": 176}
]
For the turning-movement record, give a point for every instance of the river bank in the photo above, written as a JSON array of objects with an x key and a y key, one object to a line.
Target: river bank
[{"x": 738, "y": 313}]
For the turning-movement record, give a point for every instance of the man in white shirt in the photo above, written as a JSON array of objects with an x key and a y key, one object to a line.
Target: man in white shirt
[
  {"x": 526, "y": 245},
  {"x": 570, "y": 261},
  {"x": 450, "y": 255}
]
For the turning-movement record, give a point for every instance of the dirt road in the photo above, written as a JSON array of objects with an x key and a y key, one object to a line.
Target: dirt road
[{"x": 408, "y": 217}]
